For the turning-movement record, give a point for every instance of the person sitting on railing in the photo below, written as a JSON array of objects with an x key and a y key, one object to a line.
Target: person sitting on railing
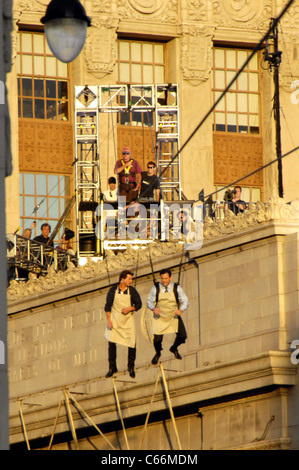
[
  {"x": 234, "y": 202},
  {"x": 44, "y": 237}
]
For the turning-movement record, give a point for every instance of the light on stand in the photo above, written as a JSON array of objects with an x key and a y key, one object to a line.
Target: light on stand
[{"x": 66, "y": 28}]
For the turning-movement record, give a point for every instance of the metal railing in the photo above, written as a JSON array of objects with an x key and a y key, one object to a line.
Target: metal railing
[{"x": 28, "y": 255}]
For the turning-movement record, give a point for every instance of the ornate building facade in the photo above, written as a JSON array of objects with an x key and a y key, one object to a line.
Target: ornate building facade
[{"x": 236, "y": 378}]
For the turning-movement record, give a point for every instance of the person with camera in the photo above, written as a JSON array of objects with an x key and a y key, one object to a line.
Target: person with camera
[
  {"x": 129, "y": 175},
  {"x": 233, "y": 201}
]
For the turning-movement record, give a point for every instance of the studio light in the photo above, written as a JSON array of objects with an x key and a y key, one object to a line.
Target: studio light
[{"x": 66, "y": 28}]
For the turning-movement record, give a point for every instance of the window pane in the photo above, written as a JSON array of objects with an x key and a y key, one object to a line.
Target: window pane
[
  {"x": 27, "y": 108},
  {"x": 39, "y": 109},
  {"x": 51, "y": 109},
  {"x": 27, "y": 65},
  {"x": 231, "y": 59},
  {"x": 124, "y": 50},
  {"x": 26, "y": 42},
  {"x": 221, "y": 105},
  {"x": 253, "y": 82},
  {"x": 39, "y": 88},
  {"x": 21, "y": 206},
  {"x": 54, "y": 208},
  {"x": 63, "y": 112},
  {"x": 242, "y": 103},
  {"x": 50, "y": 88},
  {"x": 220, "y": 79},
  {"x": 136, "y": 73},
  {"x": 243, "y": 81},
  {"x": 18, "y": 63},
  {"x": 243, "y": 123},
  {"x": 61, "y": 69},
  {"x": 219, "y": 59},
  {"x": 27, "y": 86},
  {"x": 136, "y": 52},
  {"x": 29, "y": 205},
  {"x": 51, "y": 66},
  {"x": 29, "y": 183},
  {"x": 231, "y": 102},
  {"x": 253, "y": 103},
  {"x": 147, "y": 53},
  {"x": 124, "y": 72},
  {"x": 256, "y": 194},
  {"x": 148, "y": 74},
  {"x": 41, "y": 185},
  {"x": 53, "y": 185},
  {"x": 229, "y": 77},
  {"x": 253, "y": 64},
  {"x": 39, "y": 65},
  {"x": 38, "y": 43},
  {"x": 159, "y": 74},
  {"x": 62, "y": 90},
  {"x": 21, "y": 183},
  {"x": 159, "y": 53},
  {"x": 242, "y": 57}
]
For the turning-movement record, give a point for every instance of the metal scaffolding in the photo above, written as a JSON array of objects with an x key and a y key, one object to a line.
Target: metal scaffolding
[{"x": 162, "y": 100}]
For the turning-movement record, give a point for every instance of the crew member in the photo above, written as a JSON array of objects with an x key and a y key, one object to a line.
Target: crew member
[
  {"x": 121, "y": 302},
  {"x": 167, "y": 301},
  {"x": 129, "y": 175}
]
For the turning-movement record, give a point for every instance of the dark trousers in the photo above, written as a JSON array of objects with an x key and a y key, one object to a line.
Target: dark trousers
[
  {"x": 180, "y": 338},
  {"x": 112, "y": 355}
]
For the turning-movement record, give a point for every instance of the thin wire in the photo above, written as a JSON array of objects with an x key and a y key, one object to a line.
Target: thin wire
[
  {"x": 256, "y": 49},
  {"x": 255, "y": 171}
]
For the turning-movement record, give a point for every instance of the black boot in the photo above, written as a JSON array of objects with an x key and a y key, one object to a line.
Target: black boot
[
  {"x": 112, "y": 359},
  {"x": 158, "y": 349},
  {"x": 131, "y": 361}
]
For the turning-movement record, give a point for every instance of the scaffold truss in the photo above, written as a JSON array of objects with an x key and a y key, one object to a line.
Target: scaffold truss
[{"x": 163, "y": 101}]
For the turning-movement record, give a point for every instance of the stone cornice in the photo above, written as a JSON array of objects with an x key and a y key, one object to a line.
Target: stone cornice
[{"x": 275, "y": 213}]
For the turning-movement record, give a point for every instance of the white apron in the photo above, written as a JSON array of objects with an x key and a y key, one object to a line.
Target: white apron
[
  {"x": 123, "y": 331},
  {"x": 167, "y": 322}
]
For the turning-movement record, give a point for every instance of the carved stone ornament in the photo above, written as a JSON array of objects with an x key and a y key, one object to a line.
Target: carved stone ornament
[
  {"x": 166, "y": 11},
  {"x": 259, "y": 213},
  {"x": 196, "y": 50},
  {"x": 31, "y": 5},
  {"x": 100, "y": 49},
  {"x": 146, "y": 6},
  {"x": 232, "y": 12}
]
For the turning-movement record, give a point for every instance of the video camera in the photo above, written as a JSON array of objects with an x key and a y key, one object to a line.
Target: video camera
[{"x": 229, "y": 195}]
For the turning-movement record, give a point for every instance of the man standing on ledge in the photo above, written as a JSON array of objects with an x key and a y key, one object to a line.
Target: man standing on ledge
[
  {"x": 129, "y": 175},
  {"x": 167, "y": 301},
  {"x": 122, "y": 300}
]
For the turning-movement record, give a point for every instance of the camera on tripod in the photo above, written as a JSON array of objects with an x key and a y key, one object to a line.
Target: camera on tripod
[{"x": 229, "y": 195}]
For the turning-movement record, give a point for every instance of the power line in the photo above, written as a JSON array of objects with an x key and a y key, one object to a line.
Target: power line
[{"x": 255, "y": 171}]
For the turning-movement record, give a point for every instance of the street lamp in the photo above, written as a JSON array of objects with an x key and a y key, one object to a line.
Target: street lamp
[{"x": 66, "y": 28}]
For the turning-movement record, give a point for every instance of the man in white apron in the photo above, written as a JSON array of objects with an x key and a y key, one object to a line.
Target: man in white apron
[
  {"x": 167, "y": 307},
  {"x": 122, "y": 300}
]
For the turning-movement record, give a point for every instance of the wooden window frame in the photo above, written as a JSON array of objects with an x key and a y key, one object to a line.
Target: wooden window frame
[
  {"x": 248, "y": 92},
  {"x": 41, "y": 75}
]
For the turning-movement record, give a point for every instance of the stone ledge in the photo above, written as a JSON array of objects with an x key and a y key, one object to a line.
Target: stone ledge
[{"x": 274, "y": 368}]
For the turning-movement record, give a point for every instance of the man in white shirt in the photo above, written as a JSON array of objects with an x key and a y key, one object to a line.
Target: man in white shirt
[
  {"x": 167, "y": 301},
  {"x": 111, "y": 214}
]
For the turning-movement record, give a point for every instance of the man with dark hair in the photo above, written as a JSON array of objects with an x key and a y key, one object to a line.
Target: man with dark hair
[
  {"x": 236, "y": 205},
  {"x": 150, "y": 186},
  {"x": 122, "y": 300},
  {"x": 44, "y": 237},
  {"x": 167, "y": 301}
]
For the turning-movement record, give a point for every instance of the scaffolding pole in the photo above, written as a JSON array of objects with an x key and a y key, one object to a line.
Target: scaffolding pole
[{"x": 120, "y": 414}]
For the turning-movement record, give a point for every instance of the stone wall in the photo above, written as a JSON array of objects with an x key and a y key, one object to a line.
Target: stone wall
[{"x": 242, "y": 318}]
